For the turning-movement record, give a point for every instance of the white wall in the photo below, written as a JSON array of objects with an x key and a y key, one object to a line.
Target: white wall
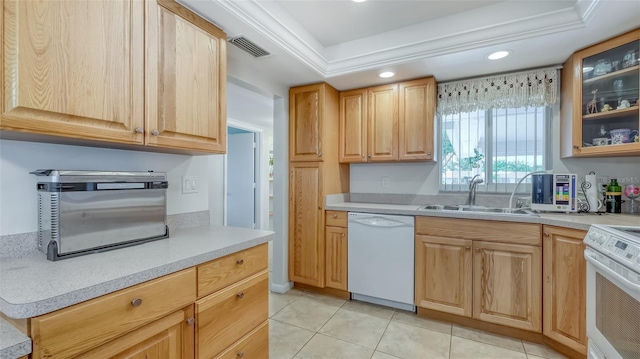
[
  {"x": 423, "y": 177},
  {"x": 17, "y": 186}
]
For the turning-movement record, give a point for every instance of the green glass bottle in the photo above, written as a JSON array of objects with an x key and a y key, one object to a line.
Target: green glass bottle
[{"x": 614, "y": 197}]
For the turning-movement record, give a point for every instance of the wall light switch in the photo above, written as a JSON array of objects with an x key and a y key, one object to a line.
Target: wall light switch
[{"x": 189, "y": 184}]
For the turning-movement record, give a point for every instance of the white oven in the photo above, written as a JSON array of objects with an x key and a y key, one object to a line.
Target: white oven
[{"x": 613, "y": 292}]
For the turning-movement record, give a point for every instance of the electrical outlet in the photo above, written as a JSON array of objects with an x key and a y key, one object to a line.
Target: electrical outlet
[
  {"x": 189, "y": 184},
  {"x": 385, "y": 181}
]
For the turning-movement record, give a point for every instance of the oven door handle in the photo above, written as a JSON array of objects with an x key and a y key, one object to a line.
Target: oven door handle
[{"x": 634, "y": 287}]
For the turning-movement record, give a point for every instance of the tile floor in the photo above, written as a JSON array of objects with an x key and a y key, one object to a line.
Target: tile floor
[{"x": 305, "y": 325}]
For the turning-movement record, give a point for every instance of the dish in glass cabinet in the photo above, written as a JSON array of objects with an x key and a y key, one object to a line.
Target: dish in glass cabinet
[
  {"x": 629, "y": 59},
  {"x": 602, "y": 67}
]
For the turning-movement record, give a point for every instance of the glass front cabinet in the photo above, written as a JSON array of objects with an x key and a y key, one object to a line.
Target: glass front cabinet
[{"x": 599, "y": 107}]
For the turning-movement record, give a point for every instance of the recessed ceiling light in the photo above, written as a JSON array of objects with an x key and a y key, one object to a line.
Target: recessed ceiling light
[
  {"x": 498, "y": 55},
  {"x": 587, "y": 69},
  {"x": 359, "y": 0},
  {"x": 386, "y": 74}
]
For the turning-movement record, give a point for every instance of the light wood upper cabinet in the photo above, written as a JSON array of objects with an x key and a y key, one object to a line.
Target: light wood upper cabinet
[
  {"x": 353, "y": 126},
  {"x": 313, "y": 116},
  {"x": 73, "y": 69},
  {"x": 443, "y": 274},
  {"x": 314, "y": 172},
  {"x": 388, "y": 123},
  {"x": 607, "y": 73},
  {"x": 508, "y": 285},
  {"x": 306, "y": 239},
  {"x": 127, "y": 72},
  {"x": 383, "y": 123},
  {"x": 415, "y": 120},
  {"x": 564, "y": 274},
  {"x": 336, "y": 257},
  {"x": 185, "y": 80}
]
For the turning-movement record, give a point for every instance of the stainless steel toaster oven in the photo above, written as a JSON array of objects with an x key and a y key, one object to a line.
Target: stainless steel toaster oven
[{"x": 81, "y": 212}]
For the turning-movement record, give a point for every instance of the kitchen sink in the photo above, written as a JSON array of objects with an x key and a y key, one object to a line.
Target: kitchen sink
[{"x": 475, "y": 209}]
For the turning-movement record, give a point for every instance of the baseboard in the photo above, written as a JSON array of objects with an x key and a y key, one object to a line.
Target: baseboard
[
  {"x": 501, "y": 330},
  {"x": 281, "y": 288},
  {"x": 342, "y": 294}
]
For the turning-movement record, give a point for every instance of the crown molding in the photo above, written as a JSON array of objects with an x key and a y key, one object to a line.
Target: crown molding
[
  {"x": 262, "y": 20},
  {"x": 331, "y": 62}
]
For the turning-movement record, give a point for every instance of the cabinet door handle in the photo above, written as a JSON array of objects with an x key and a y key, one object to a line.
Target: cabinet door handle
[
  {"x": 319, "y": 154},
  {"x": 575, "y": 147},
  {"x": 139, "y": 130},
  {"x": 240, "y": 354},
  {"x": 546, "y": 234},
  {"x": 136, "y": 302},
  {"x": 191, "y": 321},
  {"x": 428, "y": 153},
  {"x": 240, "y": 262},
  {"x": 369, "y": 156},
  {"x": 155, "y": 132},
  {"x": 343, "y": 234},
  {"x": 467, "y": 248},
  {"x": 319, "y": 207},
  {"x": 240, "y": 295},
  {"x": 478, "y": 250}
]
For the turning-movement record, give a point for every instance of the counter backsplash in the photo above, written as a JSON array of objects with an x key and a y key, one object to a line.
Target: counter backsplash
[{"x": 13, "y": 246}]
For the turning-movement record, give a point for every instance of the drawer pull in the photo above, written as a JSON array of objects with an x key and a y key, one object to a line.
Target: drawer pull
[
  {"x": 136, "y": 302},
  {"x": 240, "y": 295},
  {"x": 240, "y": 262},
  {"x": 335, "y": 216},
  {"x": 240, "y": 354},
  {"x": 191, "y": 321}
]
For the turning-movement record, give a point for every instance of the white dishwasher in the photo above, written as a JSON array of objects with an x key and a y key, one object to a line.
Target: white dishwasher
[{"x": 381, "y": 259}]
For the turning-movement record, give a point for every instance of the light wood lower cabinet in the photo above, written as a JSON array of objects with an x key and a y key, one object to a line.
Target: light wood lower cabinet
[
  {"x": 159, "y": 320},
  {"x": 226, "y": 316},
  {"x": 460, "y": 262},
  {"x": 336, "y": 257},
  {"x": 71, "y": 331},
  {"x": 564, "y": 276},
  {"x": 168, "y": 338},
  {"x": 507, "y": 284},
  {"x": 254, "y": 345},
  {"x": 443, "y": 274}
]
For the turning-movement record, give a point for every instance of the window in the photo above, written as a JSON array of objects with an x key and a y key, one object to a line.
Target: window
[{"x": 500, "y": 145}]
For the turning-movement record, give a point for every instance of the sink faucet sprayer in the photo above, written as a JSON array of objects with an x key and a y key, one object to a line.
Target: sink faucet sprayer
[{"x": 472, "y": 189}]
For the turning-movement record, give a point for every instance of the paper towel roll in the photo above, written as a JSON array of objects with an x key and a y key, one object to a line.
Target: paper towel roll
[{"x": 592, "y": 192}]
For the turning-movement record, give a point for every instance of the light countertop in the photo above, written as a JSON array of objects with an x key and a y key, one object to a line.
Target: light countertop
[
  {"x": 32, "y": 285},
  {"x": 569, "y": 220},
  {"x": 13, "y": 343}
]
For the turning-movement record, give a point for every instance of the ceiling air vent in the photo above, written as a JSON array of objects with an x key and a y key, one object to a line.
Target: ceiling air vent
[{"x": 248, "y": 46}]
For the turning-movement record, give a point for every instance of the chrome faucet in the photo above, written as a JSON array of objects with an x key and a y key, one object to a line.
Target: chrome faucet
[{"x": 472, "y": 189}]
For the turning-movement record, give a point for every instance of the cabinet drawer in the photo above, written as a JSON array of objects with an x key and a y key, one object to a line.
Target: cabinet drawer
[
  {"x": 226, "y": 316},
  {"x": 335, "y": 218},
  {"x": 475, "y": 229},
  {"x": 70, "y": 331},
  {"x": 219, "y": 273},
  {"x": 254, "y": 345}
]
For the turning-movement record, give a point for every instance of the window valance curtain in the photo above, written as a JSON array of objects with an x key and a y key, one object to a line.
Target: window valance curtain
[{"x": 528, "y": 88}]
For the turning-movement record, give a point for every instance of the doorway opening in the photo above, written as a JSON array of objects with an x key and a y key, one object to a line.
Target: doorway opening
[{"x": 242, "y": 169}]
